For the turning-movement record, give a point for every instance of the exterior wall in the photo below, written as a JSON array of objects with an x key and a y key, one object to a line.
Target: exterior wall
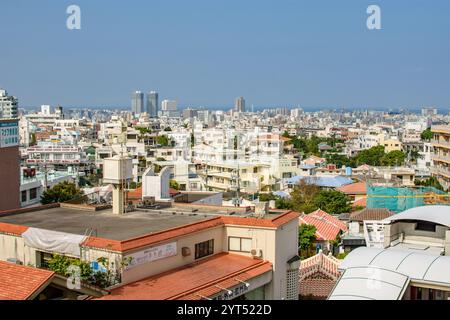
[
  {"x": 447, "y": 243},
  {"x": 10, "y": 178},
  {"x": 278, "y": 246},
  {"x": 155, "y": 267},
  {"x": 393, "y": 232},
  {"x": 13, "y": 246}
]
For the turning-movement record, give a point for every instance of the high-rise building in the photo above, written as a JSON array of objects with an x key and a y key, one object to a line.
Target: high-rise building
[
  {"x": 168, "y": 105},
  {"x": 10, "y": 164},
  {"x": 429, "y": 111},
  {"x": 8, "y": 105},
  {"x": 137, "y": 102},
  {"x": 152, "y": 104},
  {"x": 239, "y": 104}
]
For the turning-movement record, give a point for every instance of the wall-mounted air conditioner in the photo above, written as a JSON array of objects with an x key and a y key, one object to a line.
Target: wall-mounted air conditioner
[{"x": 256, "y": 253}]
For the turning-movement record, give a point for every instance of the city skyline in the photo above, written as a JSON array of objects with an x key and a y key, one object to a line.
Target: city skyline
[{"x": 279, "y": 54}]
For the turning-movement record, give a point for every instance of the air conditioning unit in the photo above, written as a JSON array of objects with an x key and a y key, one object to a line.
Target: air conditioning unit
[
  {"x": 256, "y": 253},
  {"x": 14, "y": 260}
]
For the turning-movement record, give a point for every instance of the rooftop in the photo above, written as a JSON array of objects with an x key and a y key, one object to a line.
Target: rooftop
[
  {"x": 104, "y": 223},
  {"x": 21, "y": 282},
  {"x": 134, "y": 229},
  {"x": 200, "y": 279}
]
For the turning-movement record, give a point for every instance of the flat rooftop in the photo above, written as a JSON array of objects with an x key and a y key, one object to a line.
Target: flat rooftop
[{"x": 104, "y": 223}]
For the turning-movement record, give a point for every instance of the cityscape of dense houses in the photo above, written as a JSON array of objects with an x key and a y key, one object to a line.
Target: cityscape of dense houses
[{"x": 159, "y": 202}]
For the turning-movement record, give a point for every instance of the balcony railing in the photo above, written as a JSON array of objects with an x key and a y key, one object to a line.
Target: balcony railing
[
  {"x": 438, "y": 157},
  {"x": 441, "y": 171},
  {"x": 441, "y": 142}
]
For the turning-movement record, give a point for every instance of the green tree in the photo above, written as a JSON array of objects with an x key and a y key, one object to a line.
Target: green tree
[
  {"x": 370, "y": 156},
  {"x": 303, "y": 195},
  {"x": 61, "y": 192},
  {"x": 430, "y": 182},
  {"x": 332, "y": 201},
  {"x": 427, "y": 135},
  {"x": 162, "y": 140},
  {"x": 168, "y": 129},
  {"x": 174, "y": 184},
  {"x": 306, "y": 237},
  {"x": 393, "y": 158},
  {"x": 338, "y": 159}
]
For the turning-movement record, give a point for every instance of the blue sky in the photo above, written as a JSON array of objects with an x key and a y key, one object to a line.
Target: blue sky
[{"x": 207, "y": 52}]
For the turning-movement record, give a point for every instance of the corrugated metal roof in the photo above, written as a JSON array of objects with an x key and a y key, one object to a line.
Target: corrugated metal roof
[
  {"x": 417, "y": 266},
  {"x": 436, "y": 214},
  {"x": 370, "y": 283}
]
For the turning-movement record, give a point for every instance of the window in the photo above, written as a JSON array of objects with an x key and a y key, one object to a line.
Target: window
[
  {"x": 24, "y": 195},
  {"x": 204, "y": 249},
  {"x": 33, "y": 193},
  {"x": 426, "y": 226},
  {"x": 239, "y": 244}
]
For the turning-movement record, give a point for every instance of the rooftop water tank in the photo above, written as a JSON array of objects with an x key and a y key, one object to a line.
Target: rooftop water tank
[{"x": 117, "y": 170}]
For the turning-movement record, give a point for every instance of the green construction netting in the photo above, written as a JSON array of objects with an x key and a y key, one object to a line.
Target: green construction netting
[{"x": 397, "y": 199}]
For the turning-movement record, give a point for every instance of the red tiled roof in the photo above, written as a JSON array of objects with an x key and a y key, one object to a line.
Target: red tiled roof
[
  {"x": 193, "y": 281},
  {"x": 327, "y": 265},
  {"x": 316, "y": 287},
  {"x": 318, "y": 275},
  {"x": 327, "y": 226},
  {"x": 135, "y": 194},
  {"x": 354, "y": 188},
  {"x": 21, "y": 282}
]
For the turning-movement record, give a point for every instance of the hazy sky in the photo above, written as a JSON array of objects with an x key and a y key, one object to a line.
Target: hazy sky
[{"x": 207, "y": 52}]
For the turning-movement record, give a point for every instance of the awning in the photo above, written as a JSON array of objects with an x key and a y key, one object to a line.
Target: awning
[{"x": 54, "y": 241}]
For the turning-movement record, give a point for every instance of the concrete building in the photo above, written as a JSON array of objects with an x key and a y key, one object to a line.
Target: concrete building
[
  {"x": 137, "y": 102},
  {"x": 208, "y": 254},
  {"x": 9, "y": 164},
  {"x": 441, "y": 156},
  {"x": 8, "y": 105}
]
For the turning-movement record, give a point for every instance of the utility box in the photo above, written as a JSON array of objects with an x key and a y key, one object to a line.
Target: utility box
[{"x": 117, "y": 170}]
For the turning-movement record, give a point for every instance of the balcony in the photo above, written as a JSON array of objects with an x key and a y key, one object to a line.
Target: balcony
[
  {"x": 438, "y": 157},
  {"x": 441, "y": 171},
  {"x": 440, "y": 143}
]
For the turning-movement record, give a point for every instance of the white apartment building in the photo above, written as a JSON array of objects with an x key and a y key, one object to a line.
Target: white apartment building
[
  {"x": 55, "y": 154},
  {"x": 8, "y": 105}
]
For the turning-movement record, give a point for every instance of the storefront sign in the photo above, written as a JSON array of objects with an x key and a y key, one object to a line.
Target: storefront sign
[
  {"x": 9, "y": 134},
  {"x": 152, "y": 254},
  {"x": 235, "y": 292}
]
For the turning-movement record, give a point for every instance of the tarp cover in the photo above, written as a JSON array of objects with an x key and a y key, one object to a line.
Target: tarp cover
[{"x": 53, "y": 241}]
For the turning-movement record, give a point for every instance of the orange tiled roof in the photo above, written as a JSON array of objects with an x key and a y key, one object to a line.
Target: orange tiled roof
[
  {"x": 194, "y": 280},
  {"x": 354, "y": 188},
  {"x": 12, "y": 228},
  {"x": 21, "y": 282}
]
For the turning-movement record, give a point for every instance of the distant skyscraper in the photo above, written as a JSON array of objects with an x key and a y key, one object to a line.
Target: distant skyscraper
[
  {"x": 168, "y": 105},
  {"x": 137, "y": 102},
  {"x": 8, "y": 105},
  {"x": 239, "y": 104},
  {"x": 152, "y": 104}
]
